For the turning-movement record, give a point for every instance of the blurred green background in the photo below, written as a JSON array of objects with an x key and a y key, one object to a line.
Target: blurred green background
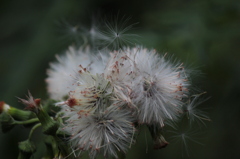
[{"x": 203, "y": 33}]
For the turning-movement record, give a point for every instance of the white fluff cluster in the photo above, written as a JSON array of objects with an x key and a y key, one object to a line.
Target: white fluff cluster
[
  {"x": 93, "y": 120},
  {"x": 106, "y": 132},
  {"x": 106, "y": 100},
  {"x": 150, "y": 82},
  {"x": 62, "y": 74}
]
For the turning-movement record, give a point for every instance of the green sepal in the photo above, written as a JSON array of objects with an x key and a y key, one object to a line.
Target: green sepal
[
  {"x": 50, "y": 108},
  {"x": 49, "y": 126}
]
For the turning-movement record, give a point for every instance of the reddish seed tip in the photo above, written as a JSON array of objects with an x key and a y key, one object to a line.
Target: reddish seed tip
[
  {"x": 97, "y": 149},
  {"x": 160, "y": 145},
  {"x": 1, "y": 106},
  {"x": 2, "y": 103},
  {"x": 71, "y": 102},
  {"x": 37, "y": 101}
]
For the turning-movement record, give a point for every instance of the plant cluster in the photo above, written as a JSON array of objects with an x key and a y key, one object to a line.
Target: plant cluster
[{"x": 102, "y": 98}]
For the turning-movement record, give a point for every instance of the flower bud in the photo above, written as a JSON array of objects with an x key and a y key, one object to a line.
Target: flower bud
[
  {"x": 48, "y": 124},
  {"x": 4, "y": 107},
  {"x": 26, "y": 149},
  {"x": 31, "y": 103},
  {"x": 7, "y": 122},
  {"x": 16, "y": 113}
]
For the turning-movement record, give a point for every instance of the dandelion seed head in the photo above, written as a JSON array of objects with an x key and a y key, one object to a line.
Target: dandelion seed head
[
  {"x": 94, "y": 120},
  {"x": 162, "y": 88},
  {"x": 150, "y": 81},
  {"x": 105, "y": 132}
]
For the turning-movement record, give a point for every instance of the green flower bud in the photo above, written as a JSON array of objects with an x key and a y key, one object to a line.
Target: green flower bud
[
  {"x": 49, "y": 126},
  {"x": 7, "y": 122},
  {"x": 4, "y": 107},
  {"x": 26, "y": 149},
  {"x": 17, "y": 114}
]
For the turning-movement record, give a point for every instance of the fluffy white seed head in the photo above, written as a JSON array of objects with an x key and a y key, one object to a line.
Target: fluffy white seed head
[
  {"x": 162, "y": 88},
  {"x": 94, "y": 119},
  {"x": 107, "y": 132},
  {"x": 152, "y": 83},
  {"x": 135, "y": 85},
  {"x": 62, "y": 74},
  {"x": 95, "y": 123}
]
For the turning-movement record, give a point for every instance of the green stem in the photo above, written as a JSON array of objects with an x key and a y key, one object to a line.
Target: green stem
[
  {"x": 63, "y": 147},
  {"x": 30, "y": 121},
  {"x": 51, "y": 147},
  {"x": 33, "y": 129},
  {"x": 48, "y": 124}
]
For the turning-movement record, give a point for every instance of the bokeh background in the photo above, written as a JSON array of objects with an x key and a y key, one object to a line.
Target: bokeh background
[{"x": 203, "y": 33}]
